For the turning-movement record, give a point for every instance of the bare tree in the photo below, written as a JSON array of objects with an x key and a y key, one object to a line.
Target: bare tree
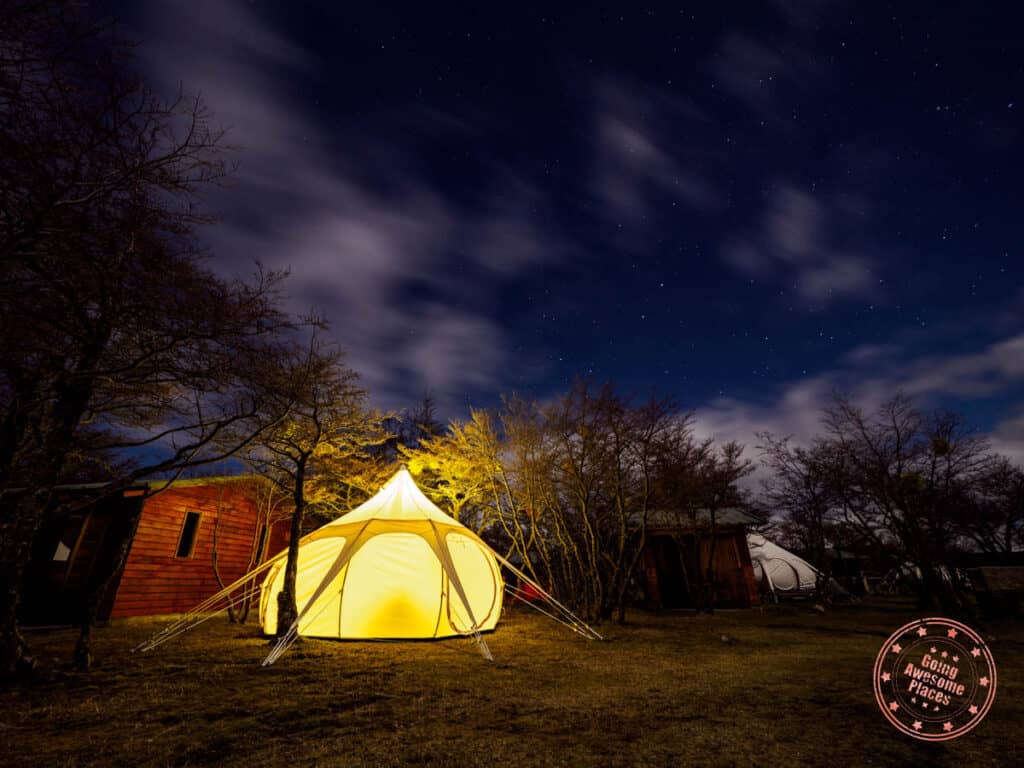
[
  {"x": 991, "y": 516},
  {"x": 116, "y": 335},
  {"x": 717, "y": 487},
  {"x": 801, "y": 490},
  {"x": 904, "y": 474}
]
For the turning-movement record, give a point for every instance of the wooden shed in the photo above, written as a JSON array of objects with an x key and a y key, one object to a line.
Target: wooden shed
[
  {"x": 670, "y": 558},
  {"x": 182, "y": 544}
]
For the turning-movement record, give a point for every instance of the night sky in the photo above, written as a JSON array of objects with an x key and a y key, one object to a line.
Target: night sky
[{"x": 745, "y": 207}]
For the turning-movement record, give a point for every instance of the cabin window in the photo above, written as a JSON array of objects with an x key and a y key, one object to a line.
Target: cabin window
[
  {"x": 189, "y": 532},
  {"x": 261, "y": 542},
  {"x": 62, "y": 554}
]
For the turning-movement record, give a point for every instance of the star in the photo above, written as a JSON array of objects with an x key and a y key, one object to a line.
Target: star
[
  {"x": 972, "y": 709},
  {"x": 913, "y": 700},
  {"x": 983, "y": 682},
  {"x": 933, "y": 649},
  {"x": 896, "y": 648},
  {"x": 976, "y": 652},
  {"x": 956, "y": 659},
  {"x": 925, "y": 705},
  {"x": 947, "y": 726},
  {"x": 951, "y": 633},
  {"x": 917, "y": 725},
  {"x": 921, "y": 632},
  {"x": 893, "y": 706},
  {"x": 886, "y": 677},
  {"x": 945, "y": 654}
]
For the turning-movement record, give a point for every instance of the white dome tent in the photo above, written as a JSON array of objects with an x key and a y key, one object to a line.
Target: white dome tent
[{"x": 780, "y": 571}]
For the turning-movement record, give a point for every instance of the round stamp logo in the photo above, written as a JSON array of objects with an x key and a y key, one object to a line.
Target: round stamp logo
[{"x": 935, "y": 679}]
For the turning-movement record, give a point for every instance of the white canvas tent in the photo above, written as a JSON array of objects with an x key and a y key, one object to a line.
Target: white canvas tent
[
  {"x": 394, "y": 568},
  {"x": 779, "y": 570}
]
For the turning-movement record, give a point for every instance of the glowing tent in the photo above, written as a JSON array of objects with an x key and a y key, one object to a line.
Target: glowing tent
[{"x": 395, "y": 567}]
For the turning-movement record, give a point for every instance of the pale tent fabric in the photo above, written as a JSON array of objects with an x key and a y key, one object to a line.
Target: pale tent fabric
[
  {"x": 396, "y": 567},
  {"x": 782, "y": 571}
]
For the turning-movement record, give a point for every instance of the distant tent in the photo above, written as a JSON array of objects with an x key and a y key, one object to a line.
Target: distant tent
[
  {"x": 394, "y": 568},
  {"x": 778, "y": 570}
]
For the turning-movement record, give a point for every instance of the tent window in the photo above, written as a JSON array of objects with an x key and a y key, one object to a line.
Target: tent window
[
  {"x": 261, "y": 542},
  {"x": 189, "y": 531}
]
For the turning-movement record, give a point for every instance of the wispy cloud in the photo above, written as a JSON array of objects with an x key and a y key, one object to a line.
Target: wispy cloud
[
  {"x": 361, "y": 229},
  {"x": 870, "y": 375},
  {"x": 1008, "y": 437},
  {"x": 792, "y": 242},
  {"x": 634, "y": 159}
]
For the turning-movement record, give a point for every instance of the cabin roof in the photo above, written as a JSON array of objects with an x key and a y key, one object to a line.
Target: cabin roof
[{"x": 672, "y": 518}]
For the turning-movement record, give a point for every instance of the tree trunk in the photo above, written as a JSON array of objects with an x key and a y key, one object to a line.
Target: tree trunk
[
  {"x": 73, "y": 392},
  {"x": 216, "y": 565},
  {"x": 697, "y": 583},
  {"x": 709, "y": 573},
  {"x": 18, "y": 530},
  {"x": 287, "y": 611},
  {"x": 14, "y": 655}
]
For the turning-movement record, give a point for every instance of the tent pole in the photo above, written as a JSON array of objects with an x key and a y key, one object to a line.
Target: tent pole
[{"x": 453, "y": 580}]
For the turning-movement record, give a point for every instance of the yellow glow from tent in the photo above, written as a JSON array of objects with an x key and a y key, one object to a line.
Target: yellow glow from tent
[
  {"x": 391, "y": 579},
  {"x": 392, "y": 589}
]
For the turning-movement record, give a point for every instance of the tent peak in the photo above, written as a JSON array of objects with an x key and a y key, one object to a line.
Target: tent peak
[{"x": 398, "y": 499}]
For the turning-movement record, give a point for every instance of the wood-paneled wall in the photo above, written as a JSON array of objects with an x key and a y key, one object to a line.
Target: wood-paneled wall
[{"x": 156, "y": 581}]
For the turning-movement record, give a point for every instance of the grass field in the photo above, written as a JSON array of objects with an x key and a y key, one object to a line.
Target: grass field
[{"x": 794, "y": 688}]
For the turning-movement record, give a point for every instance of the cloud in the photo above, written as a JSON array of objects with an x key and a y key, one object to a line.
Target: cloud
[
  {"x": 793, "y": 241},
  {"x": 634, "y": 160},
  {"x": 994, "y": 369},
  {"x": 796, "y": 411},
  {"x": 870, "y": 375},
  {"x": 1008, "y": 437},
  {"x": 749, "y": 71},
  {"x": 366, "y": 235},
  {"x": 761, "y": 76}
]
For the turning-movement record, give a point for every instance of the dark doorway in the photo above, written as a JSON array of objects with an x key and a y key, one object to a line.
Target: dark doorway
[
  {"x": 670, "y": 563},
  {"x": 73, "y": 556}
]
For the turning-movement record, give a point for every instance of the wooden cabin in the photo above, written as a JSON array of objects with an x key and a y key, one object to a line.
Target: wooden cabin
[
  {"x": 669, "y": 558},
  {"x": 178, "y": 541}
]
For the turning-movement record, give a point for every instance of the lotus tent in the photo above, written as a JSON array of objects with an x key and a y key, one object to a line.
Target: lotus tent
[
  {"x": 396, "y": 567},
  {"x": 779, "y": 570}
]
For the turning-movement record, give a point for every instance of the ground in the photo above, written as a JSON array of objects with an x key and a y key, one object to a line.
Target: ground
[{"x": 788, "y": 687}]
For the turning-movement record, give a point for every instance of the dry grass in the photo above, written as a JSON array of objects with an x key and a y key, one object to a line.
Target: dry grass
[{"x": 663, "y": 690}]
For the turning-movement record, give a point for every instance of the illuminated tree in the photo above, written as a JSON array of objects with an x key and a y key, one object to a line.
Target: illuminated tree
[
  {"x": 327, "y": 421},
  {"x": 564, "y": 487},
  {"x": 460, "y": 469}
]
